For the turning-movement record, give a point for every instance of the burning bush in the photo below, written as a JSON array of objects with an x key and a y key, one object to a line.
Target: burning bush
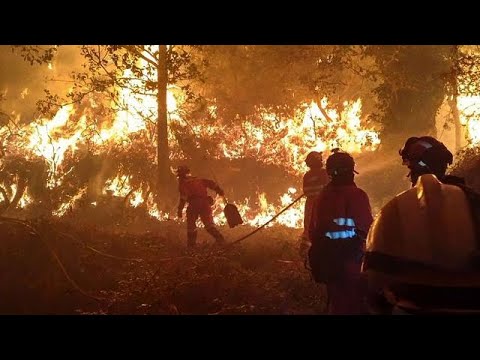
[{"x": 84, "y": 157}]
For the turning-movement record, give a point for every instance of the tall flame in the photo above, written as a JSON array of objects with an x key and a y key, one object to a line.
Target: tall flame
[
  {"x": 282, "y": 142},
  {"x": 469, "y": 108}
]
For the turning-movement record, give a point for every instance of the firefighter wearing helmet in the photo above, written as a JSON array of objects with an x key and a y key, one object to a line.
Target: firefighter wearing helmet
[
  {"x": 426, "y": 155},
  {"x": 193, "y": 191},
  {"x": 422, "y": 250},
  {"x": 313, "y": 182},
  {"x": 340, "y": 222}
]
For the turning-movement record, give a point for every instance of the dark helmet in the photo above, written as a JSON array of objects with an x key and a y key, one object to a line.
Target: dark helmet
[
  {"x": 426, "y": 155},
  {"x": 314, "y": 159},
  {"x": 340, "y": 163},
  {"x": 183, "y": 170}
]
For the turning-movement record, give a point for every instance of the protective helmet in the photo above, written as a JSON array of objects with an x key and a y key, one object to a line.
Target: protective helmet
[
  {"x": 340, "y": 163},
  {"x": 417, "y": 240},
  {"x": 425, "y": 155},
  {"x": 183, "y": 170},
  {"x": 313, "y": 159},
  {"x": 404, "y": 151}
]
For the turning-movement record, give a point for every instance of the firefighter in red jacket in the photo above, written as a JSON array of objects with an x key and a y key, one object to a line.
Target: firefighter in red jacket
[
  {"x": 340, "y": 222},
  {"x": 193, "y": 191},
  {"x": 313, "y": 182}
]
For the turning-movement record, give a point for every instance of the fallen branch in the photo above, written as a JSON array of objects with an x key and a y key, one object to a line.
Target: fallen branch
[
  {"x": 95, "y": 250},
  {"x": 111, "y": 256},
  {"x": 34, "y": 231}
]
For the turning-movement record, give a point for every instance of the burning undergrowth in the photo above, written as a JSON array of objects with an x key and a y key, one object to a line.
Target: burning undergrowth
[
  {"x": 87, "y": 176},
  {"x": 81, "y": 158}
]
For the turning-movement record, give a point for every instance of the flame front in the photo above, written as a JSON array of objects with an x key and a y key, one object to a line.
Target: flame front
[
  {"x": 76, "y": 130},
  {"x": 469, "y": 109}
]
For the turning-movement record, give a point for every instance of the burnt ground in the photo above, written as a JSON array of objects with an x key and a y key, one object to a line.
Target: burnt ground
[{"x": 145, "y": 268}]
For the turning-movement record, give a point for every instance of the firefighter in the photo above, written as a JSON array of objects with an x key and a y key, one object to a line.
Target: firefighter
[
  {"x": 422, "y": 250},
  {"x": 427, "y": 155},
  {"x": 193, "y": 191},
  {"x": 313, "y": 182},
  {"x": 340, "y": 222}
]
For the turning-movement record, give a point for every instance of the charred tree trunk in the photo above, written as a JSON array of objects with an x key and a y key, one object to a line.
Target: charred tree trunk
[
  {"x": 5, "y": 200},
  {"x": 162, "y": 128}
]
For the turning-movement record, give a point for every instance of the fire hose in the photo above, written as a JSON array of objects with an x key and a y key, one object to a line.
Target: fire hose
[
  {"x": 230, "y": 245},
  {"x": 226, "y": 201},
  {"x": 265, "y": 224},
  {"x": 268, "y": 222}
]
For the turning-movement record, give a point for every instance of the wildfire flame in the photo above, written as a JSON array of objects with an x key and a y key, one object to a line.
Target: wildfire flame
[
  {"x": 69, "y": 205},
  {"x": 469, "y": 109},
  {"x": 50, "y": 142},
  {"x": 273, "y": 141}
]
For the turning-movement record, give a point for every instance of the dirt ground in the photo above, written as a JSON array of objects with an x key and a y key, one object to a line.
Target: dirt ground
[{"x": 145, "y": 268}]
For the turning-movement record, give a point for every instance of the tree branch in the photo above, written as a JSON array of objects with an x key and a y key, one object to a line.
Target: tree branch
[
  {"x": 324, "y": 113},
  {"x": 134, "y": 50},
  {"x": 5, "y": 196},
  {"x": 81, "y": 97},
  {"x": 21, "y": 186},
  {"x": 150, "y": 53}
]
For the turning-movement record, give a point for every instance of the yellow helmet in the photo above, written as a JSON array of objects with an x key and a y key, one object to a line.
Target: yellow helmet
[{"x": 424, "y": 236}]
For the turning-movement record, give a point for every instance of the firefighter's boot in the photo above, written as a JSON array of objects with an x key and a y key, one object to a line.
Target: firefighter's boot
[
  {"x": 192, "y": 239},
  {"x": 216, "y": 234}
]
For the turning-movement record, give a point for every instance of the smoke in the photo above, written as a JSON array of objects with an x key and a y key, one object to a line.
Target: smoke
[
  {"x": 381, "y": 174},
  {"x": 22, "y": 84}
]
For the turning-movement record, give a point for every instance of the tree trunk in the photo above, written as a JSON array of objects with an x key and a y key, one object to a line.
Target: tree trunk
[
  {"x": 5, "y": 202},
  {"x": 456, "y": 121},
  {"x": 162, "y": 128},
  {"x": 454, "y": 101},
  {"x": 415, "y": 91}
]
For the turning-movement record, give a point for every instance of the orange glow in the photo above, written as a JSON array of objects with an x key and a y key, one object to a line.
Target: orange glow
[{"x": 283, "y": 142}]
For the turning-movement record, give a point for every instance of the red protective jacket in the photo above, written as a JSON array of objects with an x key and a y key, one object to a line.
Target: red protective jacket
[
  {"x": 195, "y": 189},
  {"x": 339, "y": 210},
  {"x": 313, "y": 181}
]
